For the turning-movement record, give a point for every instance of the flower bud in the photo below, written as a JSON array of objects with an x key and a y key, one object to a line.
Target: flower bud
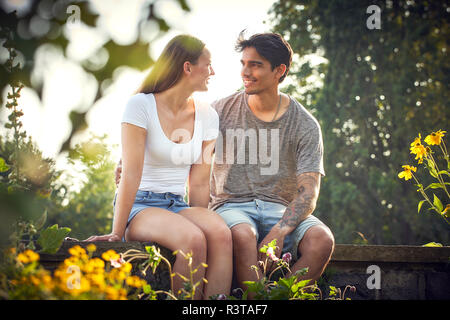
[{"x": 287, "y": 257}]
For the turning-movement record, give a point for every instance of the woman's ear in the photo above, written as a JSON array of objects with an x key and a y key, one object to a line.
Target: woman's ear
[{"x": 187, "y": 67}]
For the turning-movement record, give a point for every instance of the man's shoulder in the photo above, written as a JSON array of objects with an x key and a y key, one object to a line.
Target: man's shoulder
[
  {"x": 304, "y": 115},
  {"x": 227, "y": 101}
]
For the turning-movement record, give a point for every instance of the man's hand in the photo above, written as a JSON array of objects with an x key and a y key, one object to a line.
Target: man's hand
[{"x": 118, "y": 172}]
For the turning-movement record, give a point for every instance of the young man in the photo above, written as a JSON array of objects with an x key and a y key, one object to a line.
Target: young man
[{"x": 268, "y": 165}]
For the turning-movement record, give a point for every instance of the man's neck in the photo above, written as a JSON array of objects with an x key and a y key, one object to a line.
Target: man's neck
[{"x": 265, "y": 101}]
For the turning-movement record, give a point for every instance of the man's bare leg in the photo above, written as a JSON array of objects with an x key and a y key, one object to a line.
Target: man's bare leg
[{"x": 315, "y": 249}]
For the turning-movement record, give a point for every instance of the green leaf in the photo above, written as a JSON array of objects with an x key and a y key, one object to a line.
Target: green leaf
[
  {"x": 431, "y": 168},
  {"x": 437, "y": 203},
  {"x": 444, "y": 172},
  {"x": 301, "y": 272},
  {"x": 3, "y": 166},
  {"x": 51, "y": 238},
  {"x": 437, "y": 185},
  {"x": 147, "y": 289},
  {"x": 432, "y": 244},
  {"x": 273, "y": 243},
  {"x": 420, "y": 205},
  {"x": 297, "y": 286}
]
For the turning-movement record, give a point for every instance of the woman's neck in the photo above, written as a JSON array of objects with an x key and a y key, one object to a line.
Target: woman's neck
[{"x": 175, "y": 98}]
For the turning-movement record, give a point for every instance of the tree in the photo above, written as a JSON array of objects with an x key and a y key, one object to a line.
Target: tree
[
  {"x": 54, "y": 16},
  {"x": 28, "y": 180},
  {"x": 379, "y": 89}
]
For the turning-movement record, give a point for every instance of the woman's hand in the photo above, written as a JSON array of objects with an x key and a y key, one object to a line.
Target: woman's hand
[{"x": 107, "y": 237}]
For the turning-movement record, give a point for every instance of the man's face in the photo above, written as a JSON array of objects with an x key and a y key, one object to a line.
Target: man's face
[{"x": 257, "y": 73}]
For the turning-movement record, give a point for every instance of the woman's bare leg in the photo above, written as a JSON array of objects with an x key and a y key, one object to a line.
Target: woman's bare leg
[
  {"x": 219, "y": 249},
  {"x": 174, "y": 232}
]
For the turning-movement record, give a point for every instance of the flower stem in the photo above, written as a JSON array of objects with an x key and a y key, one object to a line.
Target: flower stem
[{"x": 439, "y": 176}]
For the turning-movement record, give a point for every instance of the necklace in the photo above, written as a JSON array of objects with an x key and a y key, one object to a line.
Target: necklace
[{"x": 278, "y": 109}]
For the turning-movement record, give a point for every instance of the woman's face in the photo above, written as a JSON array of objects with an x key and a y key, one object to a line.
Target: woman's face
[{"x": 201, "y": 71}]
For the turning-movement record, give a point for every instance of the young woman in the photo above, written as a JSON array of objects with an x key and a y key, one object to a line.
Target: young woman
[{"x": 168, "y": 138}]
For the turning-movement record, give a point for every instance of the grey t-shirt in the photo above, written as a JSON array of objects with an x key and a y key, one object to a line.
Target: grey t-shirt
[{"x": 260, "y": 160}]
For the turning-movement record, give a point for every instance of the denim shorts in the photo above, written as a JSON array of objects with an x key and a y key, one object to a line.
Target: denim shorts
[
  {"x": 262, "y": 216},
  {"x": 148, "y": 199}
]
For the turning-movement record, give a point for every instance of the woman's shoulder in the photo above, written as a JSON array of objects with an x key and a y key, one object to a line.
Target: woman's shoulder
[
  {"x": 141, "y": 98},
  {"x": 205, "y": 107}
]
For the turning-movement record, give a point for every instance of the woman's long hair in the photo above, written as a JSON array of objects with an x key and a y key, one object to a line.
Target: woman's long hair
[{"x": 168, "y": 69}]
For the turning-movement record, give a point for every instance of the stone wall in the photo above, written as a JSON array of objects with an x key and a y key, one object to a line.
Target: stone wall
[
  {"x": 406, "y": 272},
  {"x": 396, "y": 272}
]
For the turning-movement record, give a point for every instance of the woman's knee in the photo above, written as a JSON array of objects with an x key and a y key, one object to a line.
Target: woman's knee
[
  {"x": 220, "y": 232},
  {"x": 194, "y": 241},
  {"x": 213, "y": 226}
]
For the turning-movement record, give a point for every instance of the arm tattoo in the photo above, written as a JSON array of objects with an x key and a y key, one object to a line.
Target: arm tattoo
[{"x": 303, "y": 205}]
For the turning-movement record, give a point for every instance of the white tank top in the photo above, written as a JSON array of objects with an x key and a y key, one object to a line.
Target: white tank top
[{"x": 166, "y": 163}]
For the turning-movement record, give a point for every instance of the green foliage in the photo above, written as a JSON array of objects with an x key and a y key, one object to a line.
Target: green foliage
[
  {"x": 51, "y": 238},
  {"x": 375, "y": 89},
  {"x": 54, "y": 13},
  {"x": 426, "y": 153},
  {"x": 88, "y": 210},
  {"x": 25, "y": 175},
  {"x": 29, "y": 182}
]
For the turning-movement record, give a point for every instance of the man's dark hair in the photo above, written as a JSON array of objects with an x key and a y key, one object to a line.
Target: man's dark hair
[{"x": 271, "y": 46}]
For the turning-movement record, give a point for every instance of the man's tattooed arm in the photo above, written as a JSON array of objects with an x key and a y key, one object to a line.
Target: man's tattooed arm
[{"x": 304, "y": 203}]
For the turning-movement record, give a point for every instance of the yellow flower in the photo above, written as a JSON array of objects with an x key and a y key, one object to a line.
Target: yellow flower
[
  {"x": 113, "y": 293},
  {"x": 47, "y": 281},
  {"x": 91, "y": 247},
  {"x": 446, "y": 211},
  {"x": 35, "y": 280},
  {"x": 110, "y": 255},
  {"x": 418, "y": 149},
  {"x": 126, "y": 267},
  {"x": 407, "y": 172},
  {"x": 435, "y": 137},
  {"x": 97, "y": 280},
  {"x": 117, "y": 274},
  {"x": 135, "y": 281},
  {"x": 79, "y": 252},
  {"x": 28, "y": 256}
]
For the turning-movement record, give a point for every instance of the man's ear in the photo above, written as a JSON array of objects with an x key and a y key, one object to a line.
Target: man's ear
[{"x": 281, "y": 70}]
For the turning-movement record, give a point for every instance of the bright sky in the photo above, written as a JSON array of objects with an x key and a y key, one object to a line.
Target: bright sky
[{"x": 216, "y": 22}]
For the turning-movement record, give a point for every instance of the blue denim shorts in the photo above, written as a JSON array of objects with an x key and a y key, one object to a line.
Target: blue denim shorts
[
  {"x": 148, "y": 199},
  {"x": 262, "y": 216}
]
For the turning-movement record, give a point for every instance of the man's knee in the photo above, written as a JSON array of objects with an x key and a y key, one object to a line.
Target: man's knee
[
  {"x": 243, "y": 234},
  {"x": 318, "y": 240}
]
